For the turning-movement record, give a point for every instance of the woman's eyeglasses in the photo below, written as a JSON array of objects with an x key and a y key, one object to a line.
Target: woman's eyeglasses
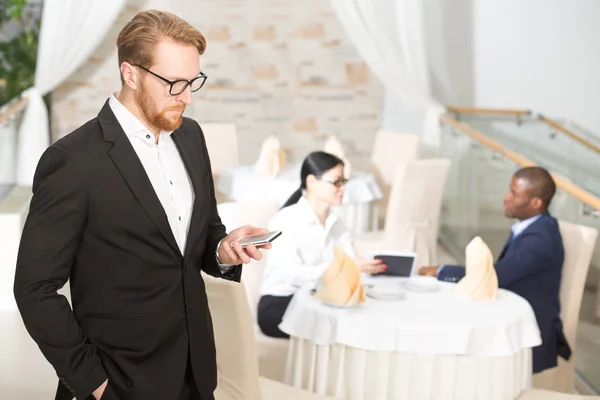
[{"x": 337, "y": 183}]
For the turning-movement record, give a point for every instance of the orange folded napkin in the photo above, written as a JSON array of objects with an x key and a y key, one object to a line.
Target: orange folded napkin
[
  {"x": 480, "y": 281},
  {"x": 271, "y": 159},
  {"x": 341, "y": 283}
]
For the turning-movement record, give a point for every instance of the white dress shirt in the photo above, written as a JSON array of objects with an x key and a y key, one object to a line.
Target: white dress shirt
[
  {"x": 304, "y": 250},
  {"x": 166, "y": 172},
  {"x": 518, "y": 227},
  {"x": 164, "y": 167}
]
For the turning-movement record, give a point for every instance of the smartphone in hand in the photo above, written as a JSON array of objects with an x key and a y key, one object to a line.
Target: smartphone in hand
[{"x": 257, "y": 240}]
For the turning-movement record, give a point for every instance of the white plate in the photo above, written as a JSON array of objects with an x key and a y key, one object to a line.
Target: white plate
[
  {"x": 338, "y": 305},
  {"x": 390, "y": 296},
  {"x": 312, "y": 292},
  {"x": 421, "y": 284},
  {"x": 385, "y": 291}
]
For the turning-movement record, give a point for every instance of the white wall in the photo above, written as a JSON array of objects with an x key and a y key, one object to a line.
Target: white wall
[
  {"x": 542, "y": 55},
  {"x": 282, "y": 67},
  {"x": 539, "y": 54}
]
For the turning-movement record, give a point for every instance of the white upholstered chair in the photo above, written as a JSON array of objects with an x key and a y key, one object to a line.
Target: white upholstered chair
[
  {"x": 389, "y": 149},
  {"x": 222, "y": 144},
  {"x": 413, "y": 211},
  {"x": 237, "y": 360},
  {"x": 272, "y": 352},
  {"x": 236, "y": 214},
  {"x": 579, "y": 242}
]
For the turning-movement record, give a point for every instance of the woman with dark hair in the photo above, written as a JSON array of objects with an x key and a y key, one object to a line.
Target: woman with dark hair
[{"x": 310, "y": 232}]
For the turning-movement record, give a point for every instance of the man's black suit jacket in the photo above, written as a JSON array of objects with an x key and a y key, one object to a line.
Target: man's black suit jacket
[{"x": 139, "y": 305}]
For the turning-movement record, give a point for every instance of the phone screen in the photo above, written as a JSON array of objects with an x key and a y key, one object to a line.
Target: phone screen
[
  {"x": 258, "y": 236},
  {"x": 258, "y": 239}
]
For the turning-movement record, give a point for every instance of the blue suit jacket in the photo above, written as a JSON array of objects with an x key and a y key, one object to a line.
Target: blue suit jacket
[{"x": 531, "y": 267}]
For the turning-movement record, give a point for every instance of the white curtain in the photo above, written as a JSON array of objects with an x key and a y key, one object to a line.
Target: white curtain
[
  {"x": 390, "y": 36},
  {"x": 70, "y": 31}
]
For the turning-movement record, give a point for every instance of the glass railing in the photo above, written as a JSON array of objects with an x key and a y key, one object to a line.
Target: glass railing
[
  {"x": 558, "y": 146},
  {"x": 486, "y": 150},
  {"x": 10, "y": 119}
]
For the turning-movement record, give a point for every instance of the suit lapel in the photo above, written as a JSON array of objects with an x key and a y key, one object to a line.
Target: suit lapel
[
  {"x": 127, "y": 162},
  {"x": 197, "y": 175},
  {"x": 509, "y": 242}
]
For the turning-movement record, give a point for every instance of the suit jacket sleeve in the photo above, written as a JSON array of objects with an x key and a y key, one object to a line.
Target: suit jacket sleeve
[
  {"x": 216, "y": 229},
  {"x": 54, "y": 226},
  {"x": 451, "y": 273},
  {"x": 529, "y": 257}
]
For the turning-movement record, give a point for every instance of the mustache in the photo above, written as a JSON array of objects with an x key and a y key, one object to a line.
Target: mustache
[{"x": 176, "y": 109}]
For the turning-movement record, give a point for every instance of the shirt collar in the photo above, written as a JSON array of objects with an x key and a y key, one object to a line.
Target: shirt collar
[
  {"x": 131, "y": 125},
  {"x": 519, "y": 226},
  {"x": 308, "y": 215}
]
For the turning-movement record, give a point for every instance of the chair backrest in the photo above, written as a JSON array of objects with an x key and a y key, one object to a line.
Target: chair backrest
[
  {"x": 389, "y": 149},
  {"x": 579, "y": 242},
  {"x": 237, "y": 359},
  {"x": 222, "y": 144},
  {"x": 413, "y": 212},
  {"x": 236, "y": 214}
]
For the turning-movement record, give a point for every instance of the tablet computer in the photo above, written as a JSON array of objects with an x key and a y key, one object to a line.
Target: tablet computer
[{"x": 399, "y": 264}]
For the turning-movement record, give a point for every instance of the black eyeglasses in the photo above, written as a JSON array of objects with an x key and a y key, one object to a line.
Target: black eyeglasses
[
  {"x": 337, "y": 183},
  {"x": 179, "y": 86}
]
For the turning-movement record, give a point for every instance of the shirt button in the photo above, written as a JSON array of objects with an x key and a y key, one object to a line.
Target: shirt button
[
  {"x": 183, "y": 309},
  {"x": 147, "y": 136},
  {"x": 171, "y": 182},
  {"x": 180, "y": 218}
]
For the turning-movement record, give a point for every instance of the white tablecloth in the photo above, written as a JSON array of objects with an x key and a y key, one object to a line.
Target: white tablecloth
[
  {"x": 355, "y": 374},
  {"x": 357, "y": 211},
  {"x": 427, "y": 346}
]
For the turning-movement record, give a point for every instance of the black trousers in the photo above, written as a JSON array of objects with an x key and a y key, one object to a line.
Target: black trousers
[{"x": 270, "y": 314}]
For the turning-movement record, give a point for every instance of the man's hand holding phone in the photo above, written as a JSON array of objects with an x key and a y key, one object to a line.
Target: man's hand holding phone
[{"x": 237, "y": 249}]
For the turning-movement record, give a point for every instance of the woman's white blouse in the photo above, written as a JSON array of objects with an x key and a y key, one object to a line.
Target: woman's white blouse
[{"x": 304, "y": 250}]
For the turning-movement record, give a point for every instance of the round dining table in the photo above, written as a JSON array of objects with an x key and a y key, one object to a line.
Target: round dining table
[{"x": 424, "y": 345}]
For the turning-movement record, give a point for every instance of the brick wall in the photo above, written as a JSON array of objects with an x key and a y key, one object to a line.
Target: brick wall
[{"x": 282, "y": 67}]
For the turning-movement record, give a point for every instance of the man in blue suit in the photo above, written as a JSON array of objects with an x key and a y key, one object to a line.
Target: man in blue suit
[{"x": 530, "y": 263}]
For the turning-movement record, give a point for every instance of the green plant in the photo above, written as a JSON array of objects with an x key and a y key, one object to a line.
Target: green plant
[{"x": 18, "y": 51}]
